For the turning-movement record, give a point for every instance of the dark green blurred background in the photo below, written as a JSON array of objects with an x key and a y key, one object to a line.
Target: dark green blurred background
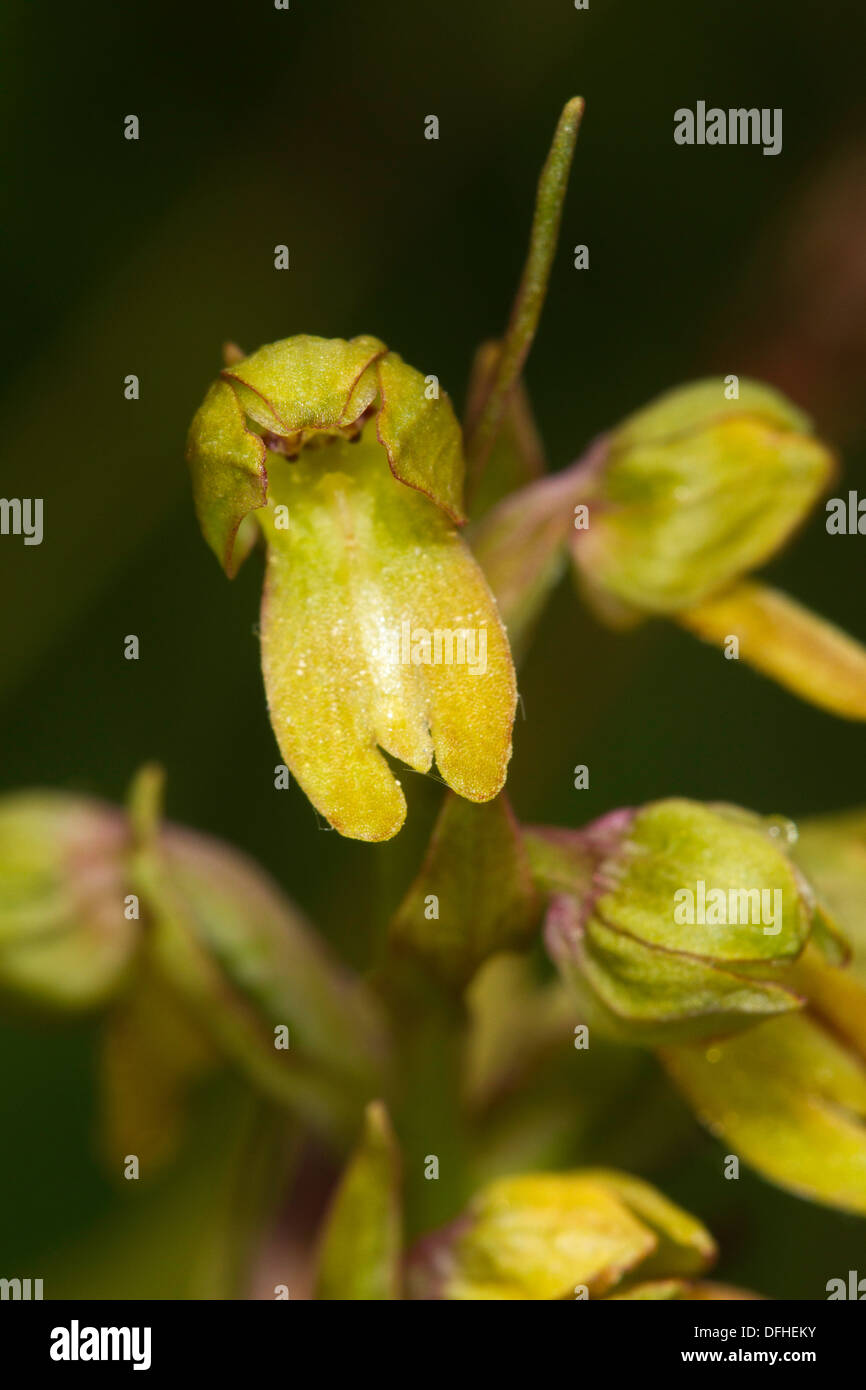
[{"x": 306, "y": 128}]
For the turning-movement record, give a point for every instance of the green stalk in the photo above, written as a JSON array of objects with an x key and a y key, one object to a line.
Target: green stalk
[{"x": 532, "y": 289}]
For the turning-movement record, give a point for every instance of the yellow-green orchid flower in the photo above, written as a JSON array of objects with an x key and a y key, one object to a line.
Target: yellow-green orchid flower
[{"x": 379, "y": 632}]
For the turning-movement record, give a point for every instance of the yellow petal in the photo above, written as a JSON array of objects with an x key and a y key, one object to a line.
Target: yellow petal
[
  {"x": 536, "y": 1237},
  {"x": 420, "y": 435},
  {"x": 777, "y": 636},
  {"x": 541, "y": 1235},
  {"x": 363, "y": 570},
  {"x": 304, "y": 385},
  {"x": 227, "y": 463},
  {"x": 789, "y": 1100}
]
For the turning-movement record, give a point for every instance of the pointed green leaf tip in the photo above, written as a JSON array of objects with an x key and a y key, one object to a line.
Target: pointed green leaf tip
[
  {"x": 378, "y": 628},
  {"x": 306, "y": 389},
  {"x": 361, "y": 1246},
  {"x": 544, "y": 1235},
  {"x": 688, "y": 926},
  {"x": 695, "y": 490}
]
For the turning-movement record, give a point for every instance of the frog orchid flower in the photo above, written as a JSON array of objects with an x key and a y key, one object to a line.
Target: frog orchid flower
[
  {"x": 666, "y": 516},
  {"x": 695, "y": 490},
  {"x": 586, "y": 1234},
  {"x": 679, "y": 920},
  {"x": 379, "y": 632}
]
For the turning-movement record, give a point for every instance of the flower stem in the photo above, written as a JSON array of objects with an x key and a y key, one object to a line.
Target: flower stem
[{"x": 532, "y": 289}]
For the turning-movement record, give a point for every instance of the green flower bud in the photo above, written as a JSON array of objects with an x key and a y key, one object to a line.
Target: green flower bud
[
  {"x": 681, "y": 920},
  {"x": 199, "y": 957},
  {"x": 591, "y": 1233},
  {"x": 379, "y": 631},
  {"x": 695, "y": 490},
  {"x": 69, "y": 920}
]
